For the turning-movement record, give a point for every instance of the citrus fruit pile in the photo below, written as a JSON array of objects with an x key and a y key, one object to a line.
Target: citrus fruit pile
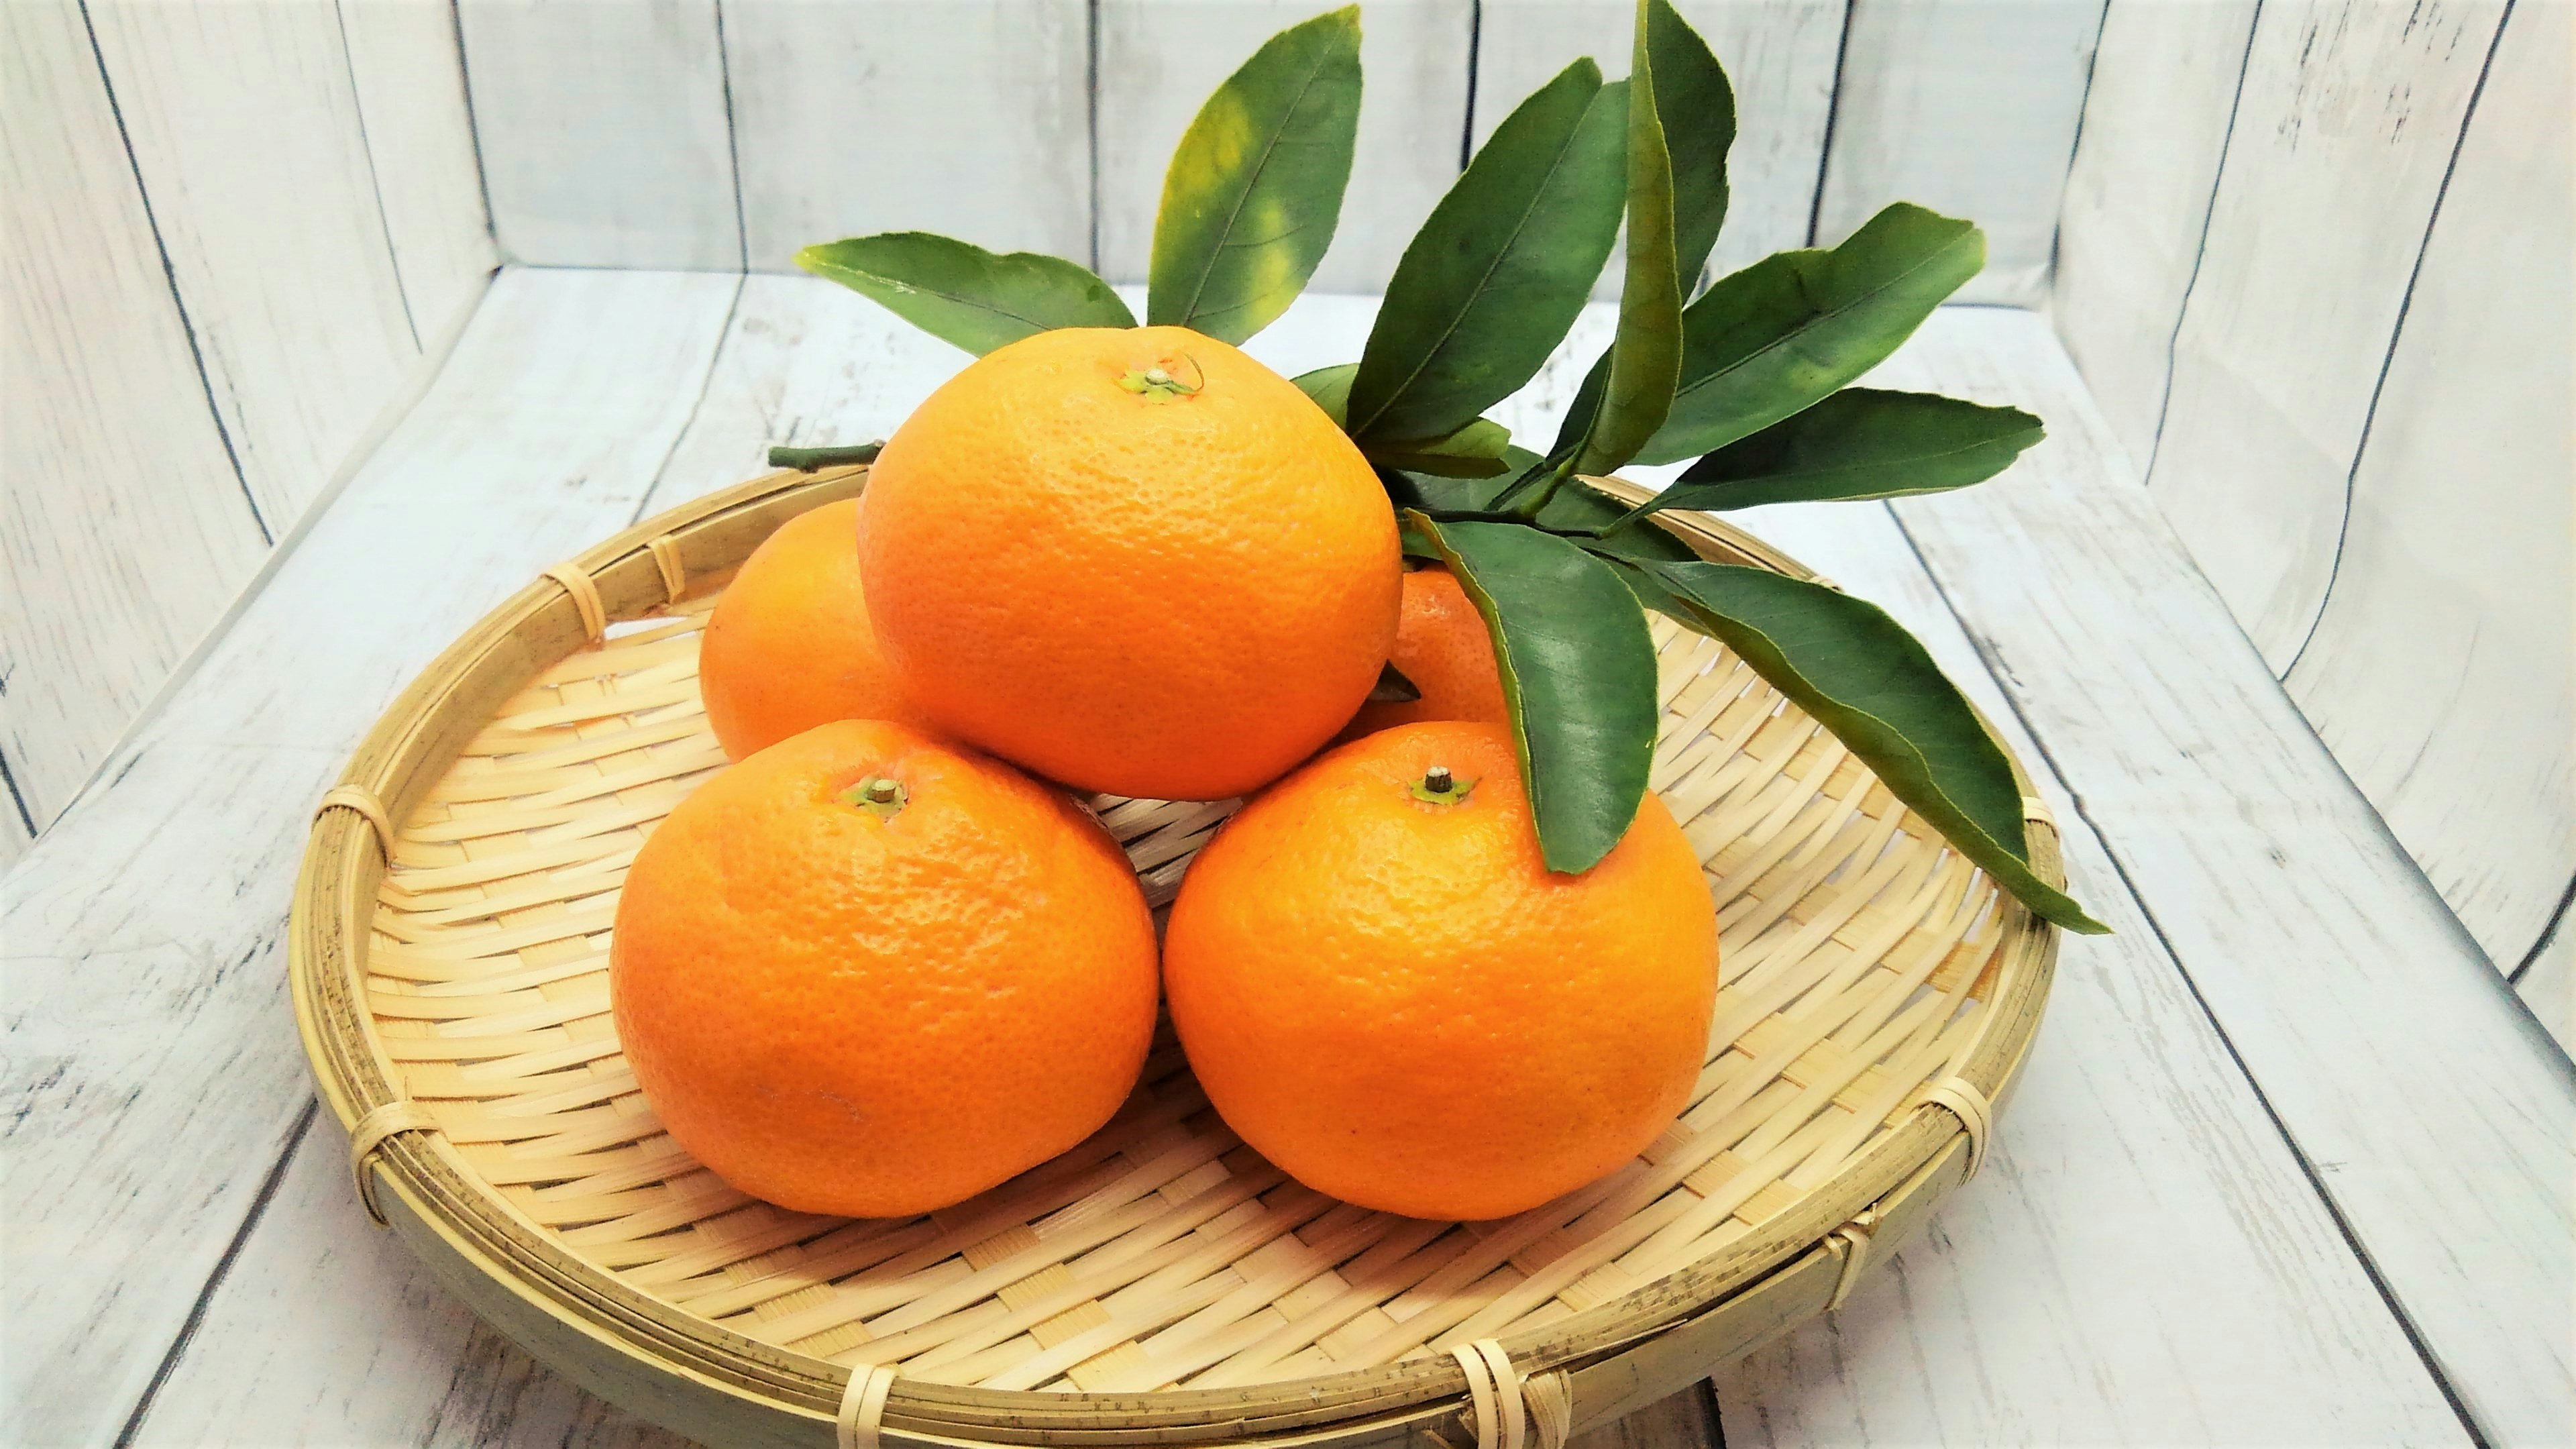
[
  {"x": 1458, "y": 962},
  {"x": 888, "y": 958}
]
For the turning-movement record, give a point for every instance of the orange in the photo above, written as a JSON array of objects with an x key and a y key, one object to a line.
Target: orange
[
  {"x": 789, "y": 646},
  {"x": 1394, "y": 1001},
  {"x": 848, "y": 1012},
  {"x": 1175, "y": 588},
  {"x": 1442, "y": 645}
]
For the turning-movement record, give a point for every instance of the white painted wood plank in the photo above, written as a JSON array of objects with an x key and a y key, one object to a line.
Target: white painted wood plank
[
  {"x": 153, "y": 1074},
  {"x": 604, "y": 135},
  {"x": 2347, "y": 120},
  {"x": 343, "y": 1338},
  {"x": 969, "y": 119},
  {"x": 2436, "y": 1115},
  {"x": 2548, "y": 984},
  {"x": 1968, "y": 107},
  {"x": 411, "y": 93},
  {"x": 1778, "y": 54},
  {"x": 2442, "y": 672},
  {"x": 2155, "y": 124},
  {"x": 105, "y": 428},
  {"x": 1159, "y": 59},
  {"x": 245, "y": 127}
]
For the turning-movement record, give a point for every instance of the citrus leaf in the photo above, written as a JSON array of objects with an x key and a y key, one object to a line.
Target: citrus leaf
[
  {"x": 1491, "y": 282},
  {"x": 1579, "y": 512},
  {"x": 1698, "y": 110},
  {"x": 1859, "y": 443},
  {"x": 1857, "y": 671},
  {"x": 1784, "y": 333},
  {"x": 1697, "y": 106},
  {"x": 1474, "y": 451},
  {"x": 1578, "y": 670},
  {"x": 958, "y": 292},
  {"x": 1255, "y": 188},
  {"x": 1646, "y": 357}
]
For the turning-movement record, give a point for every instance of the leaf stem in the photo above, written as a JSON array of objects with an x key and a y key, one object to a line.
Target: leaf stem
[{"x": 807, "y": 460}]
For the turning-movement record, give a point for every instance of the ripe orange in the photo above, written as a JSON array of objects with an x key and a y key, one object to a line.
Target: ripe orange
[
  {"x": 1393, "y": 1000},
  {"x": 844, "y": 1012},
  {"x": 1175, "y": 588},
  {"x": 1442, "y": 645},
  {"x": 789, "y": 646}
]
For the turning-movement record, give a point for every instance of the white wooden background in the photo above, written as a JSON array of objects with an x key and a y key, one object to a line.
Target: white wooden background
[{"x": 2311, "y": 257}]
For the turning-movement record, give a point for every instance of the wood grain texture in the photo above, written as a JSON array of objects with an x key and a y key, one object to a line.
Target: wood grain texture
[
  {"x": 2548, "y": 983},
  {"x": 2345, "y": 126},
  {"x": 2155, "y": 125},
  {"x": 604, "y": 134},
  {"x": 245, "y": 127},
  {"x": 968, "y": 119},
  {"x": 104, "y": 425},
  {"x": 2427, "y": 1104},
  {"x": 1779, "y": 55},
  {"x": 14, "y": 836},
  {"x": 1159, "y": 59},
  {"x": 154, "y": 1074},
  {"x": 411, "y": 95},
  {"x": 1968, "y": 107},
  {"x": 2442, "y": 672}
]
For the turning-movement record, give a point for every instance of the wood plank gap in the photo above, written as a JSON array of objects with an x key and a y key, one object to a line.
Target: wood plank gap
[
  {"x": 2155, "y": 923},
  {"x": 223, "y": 1266},
  {"x": 715, "y": 359},
  {"x": 2075, "y": 143},
  {"x": 2549, "y": 933},
  {"x": 27, "y": 818},
  {"x": 1475, "y": 40},
  {"x": 170, "y": 273},
  {"x": 733, "y": 160},
  {"x": 2396, "y": 334},
  {"x": 473, "y": 126},
  {"x": 375, "y": 179},
  {"x": 1833, "y": 112},
  {"x": 1091, "y": 115},
  {"x": 2200, "y": 254}
]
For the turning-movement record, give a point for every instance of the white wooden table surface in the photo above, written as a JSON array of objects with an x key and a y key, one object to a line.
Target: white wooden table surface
[{"x": 2290, "y": 1164}]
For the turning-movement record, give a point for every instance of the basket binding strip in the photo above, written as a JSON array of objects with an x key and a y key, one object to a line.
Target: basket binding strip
[{"x": 1858, "y": 952}]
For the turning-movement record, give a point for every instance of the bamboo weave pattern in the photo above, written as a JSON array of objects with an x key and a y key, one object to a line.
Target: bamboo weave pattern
[{"x": 1858, "y": 951}]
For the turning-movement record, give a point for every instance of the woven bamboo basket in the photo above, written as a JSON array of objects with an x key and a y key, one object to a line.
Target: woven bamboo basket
[{"x": 1161, "y": 1283}]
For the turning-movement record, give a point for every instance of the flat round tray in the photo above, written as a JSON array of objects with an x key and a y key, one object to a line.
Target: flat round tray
[{"x": 1161, "y": 1283}]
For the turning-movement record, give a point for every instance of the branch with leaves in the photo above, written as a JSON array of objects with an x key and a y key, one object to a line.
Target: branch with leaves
[{"x": 1752, "y": 378}]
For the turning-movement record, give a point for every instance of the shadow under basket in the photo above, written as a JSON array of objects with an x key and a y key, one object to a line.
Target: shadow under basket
[{"x": 1160, "y": 1283}]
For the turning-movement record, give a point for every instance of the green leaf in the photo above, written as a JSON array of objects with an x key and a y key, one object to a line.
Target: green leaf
[
  {"x": 1255, "y": 188},
  {"x": 1779, "y": 336},
  {"x": 961, "y": 293},
  {"x": 1698, "y": 110},
  {"x": 1857, "y": 671},
  {"x": 1646, "y": 357},
  {"x": 1578, "y": 511},
  {"x": 1859, "y": 443},
  {"x": 1498, "y": 273},
  {"x": 1578, "y": 672},
  {"x": 1474, "y": 451}
]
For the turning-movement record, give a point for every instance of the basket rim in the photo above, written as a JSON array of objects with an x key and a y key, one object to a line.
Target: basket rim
[{"x": 409, "y": 747}]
